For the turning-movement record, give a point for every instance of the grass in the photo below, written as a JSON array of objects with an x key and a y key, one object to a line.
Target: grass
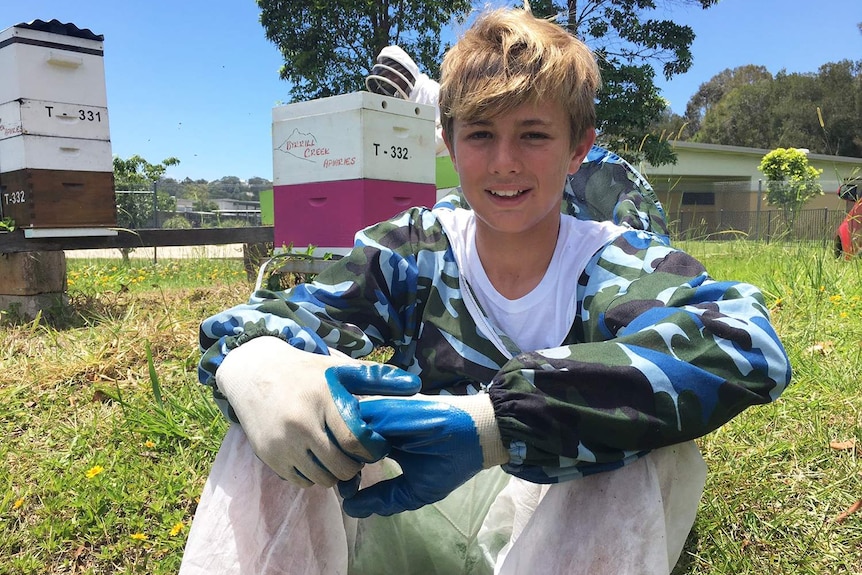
[{"x": 108, "y": 438}]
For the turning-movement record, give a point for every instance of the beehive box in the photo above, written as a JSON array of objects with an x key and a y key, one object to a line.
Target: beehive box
[
  {"x": 52, "y": 153},
  {"x": 328, "y": 214},
  {"x": 26, "y": 117},
  {"x": 346, "y": 162},
  {"x": 58, "y": 199},
  {"x": 353, "y": 136},
  {"x": 52, "y": 61},
  {"x": 56, "y": 164}
]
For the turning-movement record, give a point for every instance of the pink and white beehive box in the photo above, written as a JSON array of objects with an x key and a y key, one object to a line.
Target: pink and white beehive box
[{"x": 346, "y": 162}]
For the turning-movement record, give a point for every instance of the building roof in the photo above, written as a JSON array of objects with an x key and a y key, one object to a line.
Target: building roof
[{"x": 759, "y": 152}]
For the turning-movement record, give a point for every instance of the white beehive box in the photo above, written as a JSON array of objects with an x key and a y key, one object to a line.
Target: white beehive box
[
  {"x": 41, "y": 65},
  {"x": 354, "y": 136},
  {"x": 52, "y": 153},
  {"x": 40, "y": 118}
]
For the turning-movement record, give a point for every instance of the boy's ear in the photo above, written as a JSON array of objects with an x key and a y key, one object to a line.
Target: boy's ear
[{"x": 582, "y": 149}]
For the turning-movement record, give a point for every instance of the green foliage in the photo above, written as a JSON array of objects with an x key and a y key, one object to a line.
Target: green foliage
[
  {"x": 177, "y": 223},
  {"x": 790, "y": 180},
  {"x": 741, "y": 118},
  {"x": 329, "y": 47},
  {"x": 746, "y": 106},
  {"x": 710, "y": 93},
  {"x": 137, "y": 174},
  {"x": 624, "y": 89},
  {"x": 631, "y": 45},
  {"x": 90, "y": 278}
]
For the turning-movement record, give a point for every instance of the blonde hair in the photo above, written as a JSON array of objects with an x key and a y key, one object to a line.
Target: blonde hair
[{"x": 509, "y": 58}]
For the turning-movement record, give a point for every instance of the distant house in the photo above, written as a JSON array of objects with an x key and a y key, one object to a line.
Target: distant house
[
  {"x": 711, "y": 178},
  {"x": 247, "y": 210},
  {"x": 223, "y": 205}
]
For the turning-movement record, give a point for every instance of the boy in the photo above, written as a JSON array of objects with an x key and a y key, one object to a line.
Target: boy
[{"x": 565, "y": 365}]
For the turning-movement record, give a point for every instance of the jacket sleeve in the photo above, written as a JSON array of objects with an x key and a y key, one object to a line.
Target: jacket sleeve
[
  {"x": 669, "y": 355},
  {"x": 365, "y": 300}
]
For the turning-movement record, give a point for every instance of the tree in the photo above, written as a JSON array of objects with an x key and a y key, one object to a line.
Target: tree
[
  {"x": 329, "y": 47},
  {"x": 137, "y": 174},
  {"x": 629, "y": 44},
  {"x": 710, "y": 93},
  {"x": 790, "y": 180},
  {"x": 670, "y": 125},
  {"x": 200, "y": 195},
  {"x": 134, "y": 210},
  {"x": 256, "y": 185},
  {"x": 227, "y": 187},
  {"x": 840, "y": 109},
  {"x": 817, "y": 111},
  {"x": 743, "y": 117}
]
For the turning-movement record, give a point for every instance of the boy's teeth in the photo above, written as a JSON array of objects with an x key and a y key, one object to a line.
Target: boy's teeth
[{"x": 506, "y": 193}]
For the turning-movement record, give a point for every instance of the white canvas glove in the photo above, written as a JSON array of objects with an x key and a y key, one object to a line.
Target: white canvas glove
[{"x": 298, "y": 411}]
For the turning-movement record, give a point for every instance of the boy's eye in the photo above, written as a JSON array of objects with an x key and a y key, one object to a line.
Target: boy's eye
[
  {"x": 536, "y": 136},
  {"x": 479, "y": 135}
]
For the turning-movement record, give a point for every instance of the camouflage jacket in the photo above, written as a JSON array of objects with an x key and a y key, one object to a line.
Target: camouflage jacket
[{"x": 658, "y": 353}]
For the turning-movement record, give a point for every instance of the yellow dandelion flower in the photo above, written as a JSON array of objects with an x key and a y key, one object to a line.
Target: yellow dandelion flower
[
  {"x": 149, "y": 444},
  {"x": 177, "y": 528},
  {"x": 835, "y": 298},
  {"x": 18, "y": 503},
  {"x": 843, "y": 314},
  {"x": 94, "y": 471},
  {"x": 139, "y": 536}
]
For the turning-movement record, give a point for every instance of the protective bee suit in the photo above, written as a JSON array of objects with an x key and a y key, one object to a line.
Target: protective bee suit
[
  {"x": 395, "y": 74},
  {"x": 597, "y": 400}
]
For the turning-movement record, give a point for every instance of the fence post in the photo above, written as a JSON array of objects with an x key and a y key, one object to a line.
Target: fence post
[
  {"x": 155, "y": 215},
  {"x": 768, "y": 225},
  {"x": 757, "y": 221}
]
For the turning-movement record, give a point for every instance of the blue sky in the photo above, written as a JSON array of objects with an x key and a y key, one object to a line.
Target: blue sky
[{"x": 197, "y": 79}]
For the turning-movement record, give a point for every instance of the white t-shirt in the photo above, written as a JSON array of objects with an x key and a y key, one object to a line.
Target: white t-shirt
[{"x": 542, "y": 318}]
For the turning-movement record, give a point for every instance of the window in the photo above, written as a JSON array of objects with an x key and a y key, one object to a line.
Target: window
[{"x": 698, "y": 198}]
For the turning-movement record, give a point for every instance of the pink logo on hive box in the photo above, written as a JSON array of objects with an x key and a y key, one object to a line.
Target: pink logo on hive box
[{"x": 304, "y": 146}]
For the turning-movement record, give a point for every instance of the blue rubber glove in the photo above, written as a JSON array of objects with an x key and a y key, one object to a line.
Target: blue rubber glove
[
  {"x": 298, "y": 410},
  {"x": 439, "y": 441}
]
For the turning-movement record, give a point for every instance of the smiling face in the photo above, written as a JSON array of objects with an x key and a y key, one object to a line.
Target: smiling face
[{"x": 513, "y": 167}]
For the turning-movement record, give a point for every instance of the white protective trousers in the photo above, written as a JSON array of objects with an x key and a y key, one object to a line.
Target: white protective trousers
[{"x": 630, "y": 521}]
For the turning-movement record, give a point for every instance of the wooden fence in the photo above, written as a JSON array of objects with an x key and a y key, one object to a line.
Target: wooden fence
[{"x": 15, "y": 242}]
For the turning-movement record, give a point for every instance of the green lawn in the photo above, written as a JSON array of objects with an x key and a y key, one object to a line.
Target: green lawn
[{"x": 108, "y": 437}]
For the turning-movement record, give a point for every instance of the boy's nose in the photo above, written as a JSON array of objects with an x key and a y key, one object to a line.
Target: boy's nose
[{"x": 506, "y": 158}]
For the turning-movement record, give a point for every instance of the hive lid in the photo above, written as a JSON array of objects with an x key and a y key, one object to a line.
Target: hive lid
[{"x": 57, "y": 27}]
